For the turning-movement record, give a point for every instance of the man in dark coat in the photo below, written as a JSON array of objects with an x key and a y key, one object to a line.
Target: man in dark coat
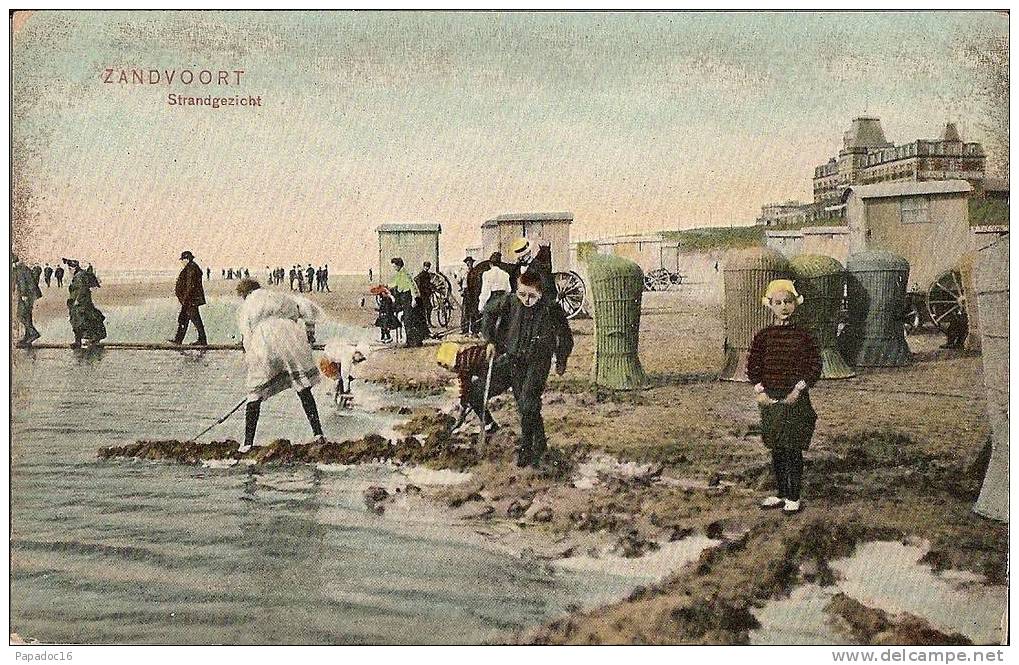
[
  {"x": 191, "y": 296},
  {"x": 28, "y": 292},
  {"x": 47, "y": 274},
  {"x": 470, "y": 298},
  {"x": 424, "y": 283},
  {"x": 58, "y": 274}
]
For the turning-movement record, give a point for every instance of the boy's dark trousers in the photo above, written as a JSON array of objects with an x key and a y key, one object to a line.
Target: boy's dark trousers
[
  {"x": 788, "y": 465},
  {"x": 527, "y": 376}
]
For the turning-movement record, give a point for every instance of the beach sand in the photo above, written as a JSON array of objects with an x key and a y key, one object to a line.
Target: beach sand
[{"x": 898, "y": 453}]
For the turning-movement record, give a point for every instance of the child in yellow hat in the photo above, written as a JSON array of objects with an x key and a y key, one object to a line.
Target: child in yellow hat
[
  {"x": 471, "y": 365},
  {"x": 783, "y": 364}
]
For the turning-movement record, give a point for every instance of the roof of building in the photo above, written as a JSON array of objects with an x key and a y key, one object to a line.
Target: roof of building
[
  {"x": 908, "y": 188},
  {"x": 951, "y": 133},
  {"x": 865, "y": 132},
  {"x": 531, "y": 217},
  {"x": 420, "y": 227}
]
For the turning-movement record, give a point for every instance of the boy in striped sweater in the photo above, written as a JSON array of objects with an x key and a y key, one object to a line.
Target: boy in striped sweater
[{"x": 783, "y": 364}]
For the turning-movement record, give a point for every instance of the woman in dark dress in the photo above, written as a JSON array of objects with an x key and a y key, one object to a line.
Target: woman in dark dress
[{"x": 87, "y": 322}]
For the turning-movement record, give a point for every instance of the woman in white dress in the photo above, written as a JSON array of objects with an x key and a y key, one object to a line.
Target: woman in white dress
[{"x": 277, "y": 331}]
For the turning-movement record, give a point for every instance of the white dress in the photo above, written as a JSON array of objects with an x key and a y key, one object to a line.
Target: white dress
[{"x": 274, "y": 328}]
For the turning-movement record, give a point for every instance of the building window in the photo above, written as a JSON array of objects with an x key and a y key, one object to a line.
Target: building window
[{"x": 915, "y": 210}]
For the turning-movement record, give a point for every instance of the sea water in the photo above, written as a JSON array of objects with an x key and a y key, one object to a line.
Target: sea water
[{"x": 126, "y": 551}]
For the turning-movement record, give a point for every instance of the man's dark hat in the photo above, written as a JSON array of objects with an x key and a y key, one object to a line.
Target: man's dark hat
[
  {"x": 187, "y": 255},
  {"x": 469, "y": 259}
]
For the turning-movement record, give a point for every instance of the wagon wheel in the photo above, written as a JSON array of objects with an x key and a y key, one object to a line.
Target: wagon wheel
[
  {"x": 676, "y": 278},
  {"x": 441, "y": 303},
  {"x": 657, "y": 280},
  {"x": 570, "y": 292},
  {"x": 946, "y": 299}
]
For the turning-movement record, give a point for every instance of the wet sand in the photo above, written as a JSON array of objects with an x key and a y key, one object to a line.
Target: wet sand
[{"x": 898, "y": 454}]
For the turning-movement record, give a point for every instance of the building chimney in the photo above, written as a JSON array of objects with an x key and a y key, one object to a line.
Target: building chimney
[{"x": 951, "y": 133}]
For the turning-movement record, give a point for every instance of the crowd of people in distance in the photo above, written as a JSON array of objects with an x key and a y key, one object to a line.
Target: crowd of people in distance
[{"x": 301, "y": 279}]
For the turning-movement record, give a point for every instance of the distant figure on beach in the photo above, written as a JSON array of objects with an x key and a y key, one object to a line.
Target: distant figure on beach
[
  {"x": 27, "y": 291},
  {"x": 87, "y": 322},
  {"x": 309, "y": 277},
  {"x": 208, "y": 274},
  {"x": 424, "y": 284},
  {"x": 293, "y": 276},
  {"x": 470, "y": 295},
  {"x": 191, "y": 296},
  {"x": 275, "y": 329},
  {"x": 58, "y": 274},
  {"x": 247, "y": 274},
  {"x": 47, "y": 274},
  {"x": 370, "y": 278},
  {"x": 37, "y": 275},
  {"x": 325, "y": 278}
]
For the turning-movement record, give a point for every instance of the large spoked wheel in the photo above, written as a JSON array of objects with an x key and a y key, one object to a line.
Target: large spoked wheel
[
  {"x": 442, "y": 300},
  {"x": 946, "y": 300},
  {"x": 658, "y": 279},
  {"x": 570, "y": 291}
]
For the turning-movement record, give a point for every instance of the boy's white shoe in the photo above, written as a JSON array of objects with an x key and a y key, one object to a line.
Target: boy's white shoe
[
  {"x": 243, "y": 448},
  {"x": 772, "y": 502},
  {"x": 791, "y": 507}
]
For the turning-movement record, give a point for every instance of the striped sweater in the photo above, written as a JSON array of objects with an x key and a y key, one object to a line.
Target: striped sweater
[
  {"x": 781, "y": 356},
  {"x": 470, "y": 363}
]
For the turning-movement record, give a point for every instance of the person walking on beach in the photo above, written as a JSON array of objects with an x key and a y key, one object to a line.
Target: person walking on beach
[
  {"x": 325, "y": 278},
  {"x": 423, "y": 280},
  {"x": 208, "y": 274},
  {"x": 87, "y": 322},
  {"x": 27, "y": 292},
  {"x": 275, "y": 332},
  {"x": 58, "y": 274},
  {"x": 309, "y": 277},
  {"x": 191, "y": 296},
  {"x": 783, "y": 364},
  {"x": 524, "y": 332},
  {"x": 47, "y": 274}
]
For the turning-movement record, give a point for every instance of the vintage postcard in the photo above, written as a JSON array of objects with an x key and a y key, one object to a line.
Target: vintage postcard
[{"x": 510, "y": 327}]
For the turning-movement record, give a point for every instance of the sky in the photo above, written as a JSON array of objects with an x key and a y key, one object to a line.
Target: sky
[{"x": 634, "y": 122}]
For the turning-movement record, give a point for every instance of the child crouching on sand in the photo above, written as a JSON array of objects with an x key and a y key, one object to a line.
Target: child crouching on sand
[
  {"x": 783, "y": 364},
  {"x": 470, "y": 364}
]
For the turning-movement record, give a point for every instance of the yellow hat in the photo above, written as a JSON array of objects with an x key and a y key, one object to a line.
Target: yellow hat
[
  {"x": 777, "y": 285},
  {"x": 446, "y": 355},
  {"x": 520, "y": 245}
]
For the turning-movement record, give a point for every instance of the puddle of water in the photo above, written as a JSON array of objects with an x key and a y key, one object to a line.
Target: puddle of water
[
  {"x": 887, "y": 575},
  {"x": 128, "y": 551},
  {"x": 652, "y": 567}
]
